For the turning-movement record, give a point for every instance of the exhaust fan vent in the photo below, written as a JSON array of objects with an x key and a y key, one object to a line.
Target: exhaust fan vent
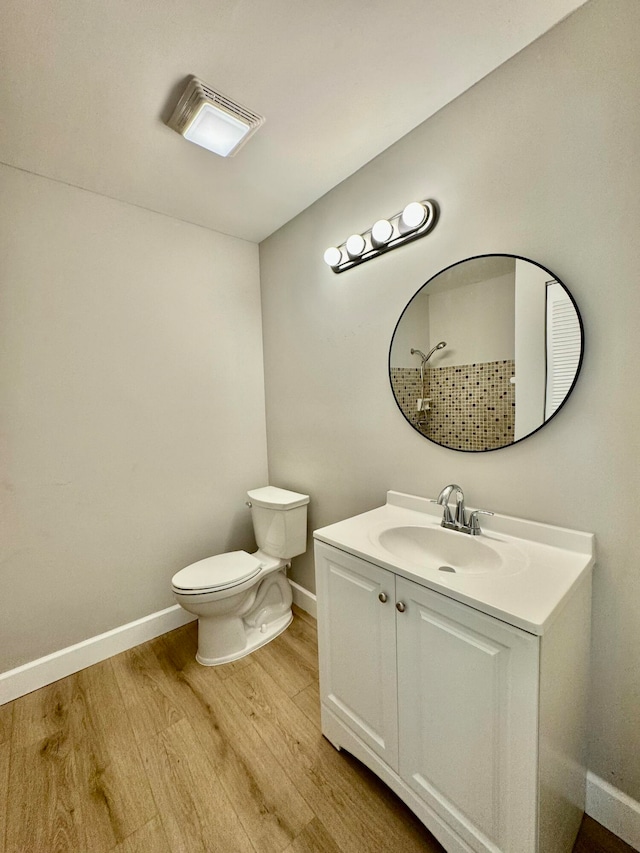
[{"x": 212, "y": 120}]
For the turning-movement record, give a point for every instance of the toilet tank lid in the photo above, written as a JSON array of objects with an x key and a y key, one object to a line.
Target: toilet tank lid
[{"x": 274, "y": 498}]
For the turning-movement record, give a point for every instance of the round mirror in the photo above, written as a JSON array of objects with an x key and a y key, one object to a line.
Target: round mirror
[{"x": 486, "y": 352}]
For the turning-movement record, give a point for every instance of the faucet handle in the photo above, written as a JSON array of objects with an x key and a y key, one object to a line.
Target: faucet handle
[{"x": 474, "y": 524}]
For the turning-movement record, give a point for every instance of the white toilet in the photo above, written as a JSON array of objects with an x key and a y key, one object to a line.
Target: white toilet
[{"x": 244, "y": 600}]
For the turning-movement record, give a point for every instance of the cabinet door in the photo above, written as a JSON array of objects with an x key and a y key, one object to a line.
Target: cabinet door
[
  {"x": 468, "y": 699},
  {"x": 357, "y": 646}
]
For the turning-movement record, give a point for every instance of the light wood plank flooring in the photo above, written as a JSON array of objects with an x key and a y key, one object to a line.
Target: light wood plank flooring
[{"x": 148, "y": 752}]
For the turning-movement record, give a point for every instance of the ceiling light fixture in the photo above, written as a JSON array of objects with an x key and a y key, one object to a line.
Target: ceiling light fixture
[
  {"x": 416, "y": 220},
  {"x": 212, "y": 120}
]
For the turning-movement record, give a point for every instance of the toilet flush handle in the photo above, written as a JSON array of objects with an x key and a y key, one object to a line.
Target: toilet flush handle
[{"x": 248, "y": 503}]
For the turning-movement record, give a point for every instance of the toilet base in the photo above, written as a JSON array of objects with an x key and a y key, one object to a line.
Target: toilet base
[{"x": 255, "y": 638}]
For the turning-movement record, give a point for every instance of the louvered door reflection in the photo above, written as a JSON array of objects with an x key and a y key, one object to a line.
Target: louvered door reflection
[{"x": 564, "y": 342}]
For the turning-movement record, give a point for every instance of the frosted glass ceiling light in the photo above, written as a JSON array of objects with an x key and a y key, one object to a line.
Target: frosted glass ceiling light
[
  {"x": 213, "y": 129},
  {"x": 212, "y": 120},
  {"x": 416, "y": 220}
]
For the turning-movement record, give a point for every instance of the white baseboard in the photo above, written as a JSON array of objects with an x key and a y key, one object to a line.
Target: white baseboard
[
  {"x": 38, "y": 673},
  {"x": 304, "y": 599},
  {"x": 615, "y": 810}
]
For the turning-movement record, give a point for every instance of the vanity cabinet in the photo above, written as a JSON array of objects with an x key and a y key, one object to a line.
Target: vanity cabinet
[
  {"x": 358, "y": 654},
  {"x": 466, "y": 717}
]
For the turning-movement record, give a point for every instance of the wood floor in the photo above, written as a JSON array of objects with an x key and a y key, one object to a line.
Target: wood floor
[{"x": 148, "y": 752}]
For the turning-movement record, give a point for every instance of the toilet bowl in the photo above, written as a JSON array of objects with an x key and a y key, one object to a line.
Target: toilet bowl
[{"x": 243, "y": 600}]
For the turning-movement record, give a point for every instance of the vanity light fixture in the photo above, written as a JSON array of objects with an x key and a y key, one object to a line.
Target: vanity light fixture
[
  {"x": 333, "y": 256},
  {"x": 212, "y": 120},
  {"x": 381, "y": 233},
  {"x": 355, "y": 246},
  {"x": 412, "y": 217},
  {"x": 415, "y": 220}
]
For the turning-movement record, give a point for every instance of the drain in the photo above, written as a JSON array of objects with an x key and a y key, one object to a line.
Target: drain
[{"x": 447, "y": 569}]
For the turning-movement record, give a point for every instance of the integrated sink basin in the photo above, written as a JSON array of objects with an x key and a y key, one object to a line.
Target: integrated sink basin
[
  {"x": 444, "y": 550},
  {"x": 517, "y": 570}
]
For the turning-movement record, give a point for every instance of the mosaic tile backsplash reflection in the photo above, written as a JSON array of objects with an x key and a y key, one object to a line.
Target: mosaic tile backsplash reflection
[{"x": 472, "y": 406}]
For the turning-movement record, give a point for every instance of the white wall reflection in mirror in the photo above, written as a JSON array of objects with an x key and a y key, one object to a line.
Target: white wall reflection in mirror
[{"x": 486, "y": 352}]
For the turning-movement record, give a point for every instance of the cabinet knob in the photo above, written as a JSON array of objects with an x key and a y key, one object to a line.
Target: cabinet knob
[
  {"x": 383, "y": 597},
  {"x": 400, "y": 605}
]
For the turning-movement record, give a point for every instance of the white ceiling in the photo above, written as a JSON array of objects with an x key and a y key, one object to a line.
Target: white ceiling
[{"x": 85, "y": 85}]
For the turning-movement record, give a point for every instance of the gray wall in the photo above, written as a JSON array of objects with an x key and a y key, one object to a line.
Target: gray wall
[
  {"x": 539, "y": 159},
  {"x": 131, "y": 408}
]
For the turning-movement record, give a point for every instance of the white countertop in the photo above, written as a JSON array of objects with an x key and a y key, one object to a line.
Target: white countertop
[{"x": 549, "y": 562}]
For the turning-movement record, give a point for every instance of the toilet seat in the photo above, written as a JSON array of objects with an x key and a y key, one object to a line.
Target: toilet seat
[{"x": 216, "y": 573}]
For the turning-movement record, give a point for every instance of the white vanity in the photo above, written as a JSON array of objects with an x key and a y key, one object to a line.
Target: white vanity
[{"x": 455, "y": 667}]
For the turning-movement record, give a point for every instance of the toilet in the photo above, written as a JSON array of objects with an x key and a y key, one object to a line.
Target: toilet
[{"x": 244, "y": 600}]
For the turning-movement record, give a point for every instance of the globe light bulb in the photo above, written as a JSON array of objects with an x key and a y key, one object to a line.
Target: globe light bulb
[
  {"x": 355, "y": 246},
  {"x": 381, "y": 233},
  {"x": 413, "y": 216},
  {"x": 333, "y": 257}
]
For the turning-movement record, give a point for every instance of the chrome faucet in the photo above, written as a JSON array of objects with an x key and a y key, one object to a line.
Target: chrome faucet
[
  {"x": 443, "y": 500},
  {"x": 460, "y": 522}
]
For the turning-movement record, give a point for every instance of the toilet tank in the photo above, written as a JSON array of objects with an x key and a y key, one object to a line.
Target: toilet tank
[{"x": 279, "y": 521}]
